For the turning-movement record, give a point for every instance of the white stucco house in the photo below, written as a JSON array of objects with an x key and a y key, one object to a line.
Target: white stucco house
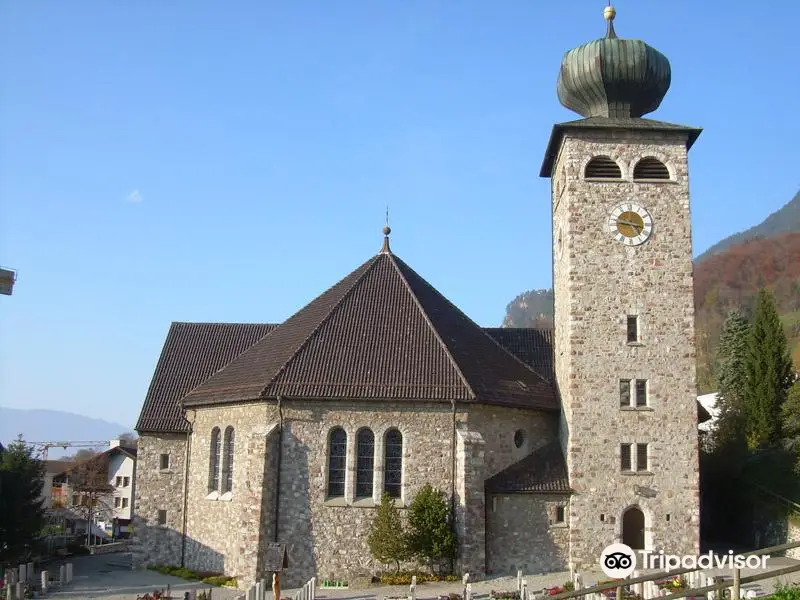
[{"x": 709, "y": 402}]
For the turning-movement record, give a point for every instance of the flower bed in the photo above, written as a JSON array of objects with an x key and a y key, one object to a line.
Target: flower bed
[
  {"x": 404, "y": 578},
  {"x": 673, "y": 584}
]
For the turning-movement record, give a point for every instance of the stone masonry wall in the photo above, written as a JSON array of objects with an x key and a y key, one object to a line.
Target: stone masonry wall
[
  {"x": 522, "y": 535},
  {"x": 155, "y": 490},
  {"x": 497, "y": 426},
  {"x": 313, "y": 526},
  {"x": 470, "y": 502},
  {"x": 223, "y": 531},
  {"x": 598, "y": 282},
  {"x": 229, "y": 534}
]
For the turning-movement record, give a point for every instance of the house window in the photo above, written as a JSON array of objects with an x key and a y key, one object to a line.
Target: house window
[
  {"x": 213, "y": 461},
  {"x": 641, "y": 392},
  {"x": 560, "y": 514},
  {"x": 625, "y": 457},
  {"x": 162, "y": 517},
  {"x": 76, "y": 499},
  {"x": 119, "y": 481},
  {"x": 365, "y": 463},
  {"x": 633, "y": 329},
  {"x": 624, "y": 392},
  {"x": 393, "y": 463},
  {"x": 337, "y": 461},
  {"x": 163, "y": 462},
  {"x": 126, "y": 481},
  {"x": 124, "y": 503},
  {"x": 227, "y": 461},
  {"x": 116, "y": 502},
  {"x": 641, "y": 458}
]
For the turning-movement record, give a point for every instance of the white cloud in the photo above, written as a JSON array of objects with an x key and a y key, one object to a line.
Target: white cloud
[{"x": 135, "y": 197}]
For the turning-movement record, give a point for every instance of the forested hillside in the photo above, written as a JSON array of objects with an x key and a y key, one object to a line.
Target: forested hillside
[{"x": 727, "y": 276}]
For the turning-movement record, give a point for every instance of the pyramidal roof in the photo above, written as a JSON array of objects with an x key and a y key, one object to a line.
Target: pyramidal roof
[{"x": 381, "y": 333}]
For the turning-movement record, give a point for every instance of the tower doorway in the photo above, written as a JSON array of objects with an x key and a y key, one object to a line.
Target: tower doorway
[{"x": 633, "y": 528}]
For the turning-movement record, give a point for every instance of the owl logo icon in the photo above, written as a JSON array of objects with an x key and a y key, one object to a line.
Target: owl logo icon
[{"x": 618, "y": 561}]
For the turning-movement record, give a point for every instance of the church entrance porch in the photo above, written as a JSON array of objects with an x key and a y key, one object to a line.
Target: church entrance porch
[{"x": 633, "y": 528}]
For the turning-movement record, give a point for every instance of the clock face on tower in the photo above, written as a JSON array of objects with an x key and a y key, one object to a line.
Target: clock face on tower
[{"x": 630, "y": 224}]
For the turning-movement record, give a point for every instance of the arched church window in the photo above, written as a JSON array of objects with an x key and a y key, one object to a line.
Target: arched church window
[
  {"x": 337, "y": 461},
  {"x": 365, "y": 462},
  {"x": 602, "y": 167},
  {"x": 393, "y": 463},
  {"x": 650, "y": 168},
  {"x": 213, "y": 461},
  {"x": 227, "y": 461}
]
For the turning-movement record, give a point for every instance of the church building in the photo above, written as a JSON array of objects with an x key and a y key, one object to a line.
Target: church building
[{"x": 550, "y": 444}]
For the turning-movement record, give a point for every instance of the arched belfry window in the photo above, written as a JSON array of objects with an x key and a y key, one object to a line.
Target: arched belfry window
[
  {"x": 365, "y": 463},
  {"x": 337, "y": 462},
  {"x": 213, "y": 461},
  {"x": 602, "y": 167},
  {"x": 650, "y": 168},
  {"x": 227, "y": 461},
  {"x": 393, "y": 463}
]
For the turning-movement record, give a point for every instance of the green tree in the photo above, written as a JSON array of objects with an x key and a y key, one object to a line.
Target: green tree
[
  {"x": 430, "y": 534},
  {"x": 768, "y": 374},
  {"x": 791, "y": 424},
  {"x": 21, "y": 504},
  {"x": 387, "y": 541},
  {"x": 729, "y": 433}
]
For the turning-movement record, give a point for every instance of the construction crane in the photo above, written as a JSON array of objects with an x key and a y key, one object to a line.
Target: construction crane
[{"x": 43, "y": 447}]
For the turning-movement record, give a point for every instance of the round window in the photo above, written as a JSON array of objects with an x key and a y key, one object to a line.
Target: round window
[{"x": 519, "y": 438}]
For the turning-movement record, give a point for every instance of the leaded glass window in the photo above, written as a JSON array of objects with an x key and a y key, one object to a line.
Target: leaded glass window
[
  {"x": 227, "y": 461},
  {"x": 213, "y": 461},
  {"x": 337, "y": 462},
  {"x": 393, "y": 463},
  {"x": 365, "y": 463}
]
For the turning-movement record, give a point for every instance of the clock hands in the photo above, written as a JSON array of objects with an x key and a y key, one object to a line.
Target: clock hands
[{"x": 636, "y": 227}]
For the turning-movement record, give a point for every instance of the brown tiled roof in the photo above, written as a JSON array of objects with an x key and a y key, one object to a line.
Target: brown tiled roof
[
  {"x": 384, "y": 333},
  {"x": 55, "y": 467},
  {"x": 543, "y": 471},
  {"x": 532, "y": 346},
  {"x": 192, "y": 353}
]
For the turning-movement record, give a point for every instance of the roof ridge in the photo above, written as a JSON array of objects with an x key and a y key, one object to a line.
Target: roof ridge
[
  {"x": 225, "y": 323},
  {"x": 444, "y": 346},
  {"x": 223, "y": 367},
  {"x": 518, "y": 359},
  {"x": 319, "y": 325}
]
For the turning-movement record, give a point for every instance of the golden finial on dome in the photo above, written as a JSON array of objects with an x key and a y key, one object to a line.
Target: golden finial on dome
[{"x": 609, "y": 12}]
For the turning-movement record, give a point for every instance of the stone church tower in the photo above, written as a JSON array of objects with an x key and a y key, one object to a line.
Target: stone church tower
[{"x": 624, "y": 304}]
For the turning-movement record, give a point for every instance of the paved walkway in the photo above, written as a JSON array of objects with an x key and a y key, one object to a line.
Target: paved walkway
[{"x": 109, "y": 577}]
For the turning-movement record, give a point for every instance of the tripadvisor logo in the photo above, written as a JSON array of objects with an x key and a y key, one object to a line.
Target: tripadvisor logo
[{"x": 619, "y": 560}]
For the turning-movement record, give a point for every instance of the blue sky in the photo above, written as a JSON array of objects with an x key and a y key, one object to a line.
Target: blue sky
[{"x": 208, "y": 161}]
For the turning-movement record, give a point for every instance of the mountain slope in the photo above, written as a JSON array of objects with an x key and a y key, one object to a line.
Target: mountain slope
[
  {"x": 727, "y": 276},
  {"x": 785, "y": 220},
  {"x": 39, "y": 425}
]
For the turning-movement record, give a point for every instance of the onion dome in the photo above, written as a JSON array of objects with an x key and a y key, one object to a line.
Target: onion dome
[{"x": 612, "y": 77}]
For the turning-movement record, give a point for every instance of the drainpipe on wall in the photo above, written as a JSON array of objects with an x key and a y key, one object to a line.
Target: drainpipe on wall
[
  {"x": 190, "y": 418},
  {"x": 278, "y": 473},
  {"x": 453, "y": 480}
]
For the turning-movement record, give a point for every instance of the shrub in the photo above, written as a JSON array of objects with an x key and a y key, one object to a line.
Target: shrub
[
  {"x": 387, "y": 540},
  {"x": 430, "y": 536},
  {"x": 220, "y": 580}
]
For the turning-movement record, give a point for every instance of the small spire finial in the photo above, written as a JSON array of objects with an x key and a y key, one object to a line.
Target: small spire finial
[
  {"x": 386, "y": 231},
  {"x": 609, "y": 12}
]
